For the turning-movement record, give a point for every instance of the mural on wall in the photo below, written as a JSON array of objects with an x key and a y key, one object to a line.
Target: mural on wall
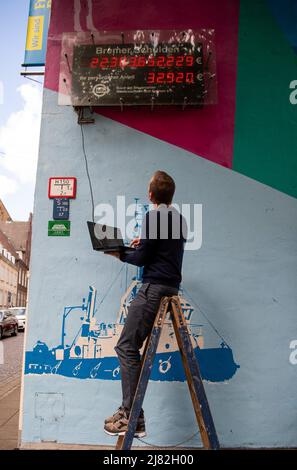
[
  {"x": 91, "y": 353},
  {"x": 243, "y": 275}
]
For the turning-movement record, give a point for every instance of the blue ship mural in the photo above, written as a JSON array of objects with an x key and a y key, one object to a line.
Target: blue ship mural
[{"x": 91, "y": 353}]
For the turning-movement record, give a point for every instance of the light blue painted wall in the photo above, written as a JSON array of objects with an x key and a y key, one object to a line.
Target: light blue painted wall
[{"x": 243, "y": 277}]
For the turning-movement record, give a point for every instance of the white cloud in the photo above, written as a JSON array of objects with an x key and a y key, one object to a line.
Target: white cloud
[
  {"x": 19, "y": 139},
  {"x": 7, "y": 186}
]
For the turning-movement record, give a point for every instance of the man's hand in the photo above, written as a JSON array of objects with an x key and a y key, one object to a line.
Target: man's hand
[
  {"x": 135, "y": 242},
  {"x": 115, "y": 254}
]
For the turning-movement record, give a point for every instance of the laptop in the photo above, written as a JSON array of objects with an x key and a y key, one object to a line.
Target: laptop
[{"x": 107, "y": 239}]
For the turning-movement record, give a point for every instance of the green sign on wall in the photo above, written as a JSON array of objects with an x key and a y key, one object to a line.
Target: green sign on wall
[{"x": 58, "y": 228}]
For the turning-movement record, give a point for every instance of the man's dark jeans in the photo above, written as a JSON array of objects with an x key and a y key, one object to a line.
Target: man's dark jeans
[{"x": 138, "y": 325}]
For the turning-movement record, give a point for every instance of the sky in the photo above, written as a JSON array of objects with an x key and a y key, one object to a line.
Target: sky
[{"x": 20, "y": 111}]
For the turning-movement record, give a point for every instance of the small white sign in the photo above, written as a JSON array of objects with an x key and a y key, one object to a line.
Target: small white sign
[{"x": 62, "y": 186}]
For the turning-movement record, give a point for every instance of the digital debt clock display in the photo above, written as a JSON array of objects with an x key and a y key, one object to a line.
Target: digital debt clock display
[{"x": 115, "y": 74}]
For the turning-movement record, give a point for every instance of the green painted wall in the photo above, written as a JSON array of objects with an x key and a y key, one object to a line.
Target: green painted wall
[{"x": 265, "y": 146}]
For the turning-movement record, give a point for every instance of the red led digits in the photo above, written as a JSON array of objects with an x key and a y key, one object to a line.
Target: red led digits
[
  {"x": 189, "y": 60},
  {"x": 160, "y": 77},
  {"x": 161, "y": 61},
  {"x": 151, "y": 61},
  {"x": 133, "y": 61},
  {"x": 179, "y": 61},
  {"x": 150, "y": 77},
  {"x": 189, "y": 77},
  {"x": 141, "y": 61},
  {"x": 104, "y": 62},
  {"x": 170, "y": 61},
  {"x": 179, "y": 77},
  {"x": 169, "y": 77},
  {"x": 114, "y": 62},
  {"x": 94, "y": 62}
]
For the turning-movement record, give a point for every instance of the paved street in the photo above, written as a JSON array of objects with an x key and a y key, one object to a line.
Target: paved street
[
  {"x": 13, "y": 352},
  {"x": 10, "y": 378}
]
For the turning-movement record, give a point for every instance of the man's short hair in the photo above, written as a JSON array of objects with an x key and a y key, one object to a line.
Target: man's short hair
[{"x": 162, "y": 187}]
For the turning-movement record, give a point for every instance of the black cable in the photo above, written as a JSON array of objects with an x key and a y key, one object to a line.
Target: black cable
[
  {"x": 93, "y": 218},
  {"x": 205, "y": 316},
  {"x": 111, "y": 285},
  {"x": 168, "y": 447},
  {"x": 87, "y": 171}
]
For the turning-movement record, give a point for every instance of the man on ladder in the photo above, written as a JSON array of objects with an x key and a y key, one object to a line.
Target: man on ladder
[{"x": 160, "y": 251}]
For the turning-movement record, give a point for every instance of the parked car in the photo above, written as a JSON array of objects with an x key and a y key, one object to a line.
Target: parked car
[
  {"x": 20, "y": 314},
  {"x": 8, "y": 324}
]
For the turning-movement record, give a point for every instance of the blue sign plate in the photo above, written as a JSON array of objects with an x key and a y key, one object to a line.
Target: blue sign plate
[{"x": 61, "y": 209}]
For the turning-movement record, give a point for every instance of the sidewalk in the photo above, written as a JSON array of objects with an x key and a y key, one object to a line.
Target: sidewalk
[{"x": 9, "y": 413}]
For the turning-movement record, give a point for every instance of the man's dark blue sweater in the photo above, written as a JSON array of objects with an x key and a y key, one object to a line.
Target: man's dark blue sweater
[{"x": 161, "y": 247}]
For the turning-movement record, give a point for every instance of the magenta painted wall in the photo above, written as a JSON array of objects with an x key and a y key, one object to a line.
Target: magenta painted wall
[{"x": 208, "y": 132}]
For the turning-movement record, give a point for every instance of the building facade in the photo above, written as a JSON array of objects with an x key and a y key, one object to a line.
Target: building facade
[
  {"x": 8, "y": 273},
  {"x": 237, "y": 160},
  {"x": 18, "y": 236},
  {"x": 23, "y": 278}
]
